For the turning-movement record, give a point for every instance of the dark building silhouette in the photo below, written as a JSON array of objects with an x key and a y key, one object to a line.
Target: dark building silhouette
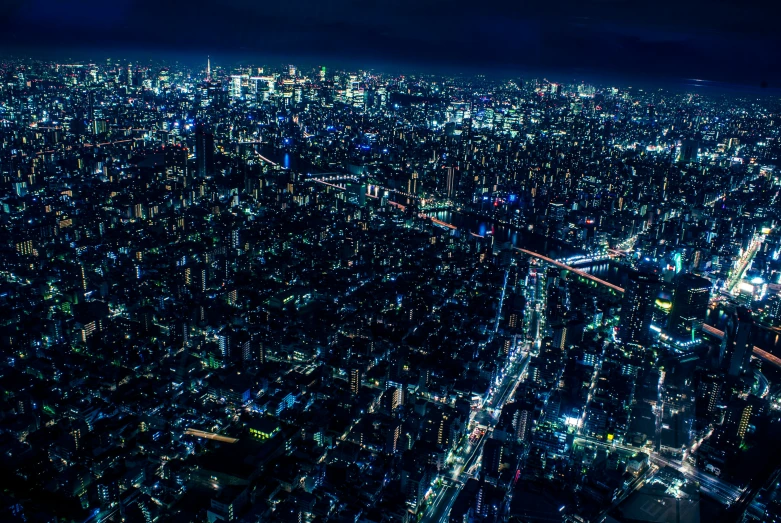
[
  {"x": 637, "y": 308},
  {"x": 688, "y": 151},
  {"x": 690, "y": 302},
  {"x": 204, "y": 151},
  {"x": 737, "y": 346},
  {"x": 492, "y": 458}
]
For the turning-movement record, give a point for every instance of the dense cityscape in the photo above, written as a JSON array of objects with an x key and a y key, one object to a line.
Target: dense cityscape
[{"x": 251, "y": 293}]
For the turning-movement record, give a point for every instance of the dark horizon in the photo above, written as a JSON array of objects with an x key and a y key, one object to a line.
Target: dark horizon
[
  {"x": 573, "y": 75},
  {"x": 690, "y": 39}
]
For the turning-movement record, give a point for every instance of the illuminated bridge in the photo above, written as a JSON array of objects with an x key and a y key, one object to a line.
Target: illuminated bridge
[
  {"x": 775, "y": 360},
  {"x": 765, "y": 355},
  {"x": 210, "y": 435},
  {"x": 338, "y": 180},
  {"x": 572, "y": 269}
]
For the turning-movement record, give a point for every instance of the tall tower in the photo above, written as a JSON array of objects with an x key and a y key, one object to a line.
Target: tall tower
[
  {"x": 738, "y": 346},
  {"x": 208, "y": 68},
  {"x": 637, "y": 308},
  {"x": 690, "y": 302}
]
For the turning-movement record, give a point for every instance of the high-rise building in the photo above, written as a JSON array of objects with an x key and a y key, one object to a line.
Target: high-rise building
[
  {"x": 708, "y": 394},
  {"x": 690, "y": 303},
  {"x": 412, "y": 183},
  {"x": 244, "y": 346},
  {"x": 450, "y": 181},
  {"x": 522, "y": 421},
  {"x": 236, "y": 86},
  {"x": 204, "y": 150},
  {"x": 260, "y": 347},
  {"x": 175, "y": 159},
  {"x": 355, "y": 380},
  {"x": 438, "y": 428},
  {"x": 688, "y": 151},
  {"x": 25, "y": 248},
  {"x": 637, "y": 308},
  {"x": 737, "y": 345},
  {"x": 226, "y": 340},
  {"x": 393, "y": 438},
  {"x": 560, "y": 333},
  {"x": 396, "y": 397},
  {"x": 737, "y": 418}
]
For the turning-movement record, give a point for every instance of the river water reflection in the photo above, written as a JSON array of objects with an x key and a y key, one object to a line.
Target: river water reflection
[
  {"x": 612, "y": 272},
  {"x": 522, "y": 238}
]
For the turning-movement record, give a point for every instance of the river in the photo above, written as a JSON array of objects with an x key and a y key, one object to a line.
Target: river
[
  {"x": 518, "y": 237},
  {"x": 612, "y": 272}
]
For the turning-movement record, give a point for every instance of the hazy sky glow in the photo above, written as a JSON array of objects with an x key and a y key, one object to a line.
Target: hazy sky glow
[{"x": 716, "y": 40}]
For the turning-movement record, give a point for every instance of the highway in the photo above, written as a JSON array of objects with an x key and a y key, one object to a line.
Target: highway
[
  {"x": 713, "y": 485},
  {"x": 439, "y": 511},
  {"x": 744, "y": 263},
  {"x": 510, "y": 386},
  {"x": 501, "y": 304},
  {"x": 451, "y": 486}
]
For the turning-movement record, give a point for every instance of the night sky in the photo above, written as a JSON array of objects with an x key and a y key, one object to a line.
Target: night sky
[{"x": 722, "y": 40}]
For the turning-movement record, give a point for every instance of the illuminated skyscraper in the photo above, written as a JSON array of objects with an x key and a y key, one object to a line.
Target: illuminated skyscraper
[
  {"x": 450, "y": 181},
  {"x": 738, "y": 417},
  {"x": 637, "y": 308},
  {"x": 522, "y": 420},
  {"x": 708, "y": 395},
  {"x": 690, "y": 302},
  {"x": 236, "y": 83},
  {"x": 355, "y": 380}
]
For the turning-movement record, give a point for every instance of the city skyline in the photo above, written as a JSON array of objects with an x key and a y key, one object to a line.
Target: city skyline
[
  {"x": 266, "y": 291},
  {"x": 688, "y": 39}
]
